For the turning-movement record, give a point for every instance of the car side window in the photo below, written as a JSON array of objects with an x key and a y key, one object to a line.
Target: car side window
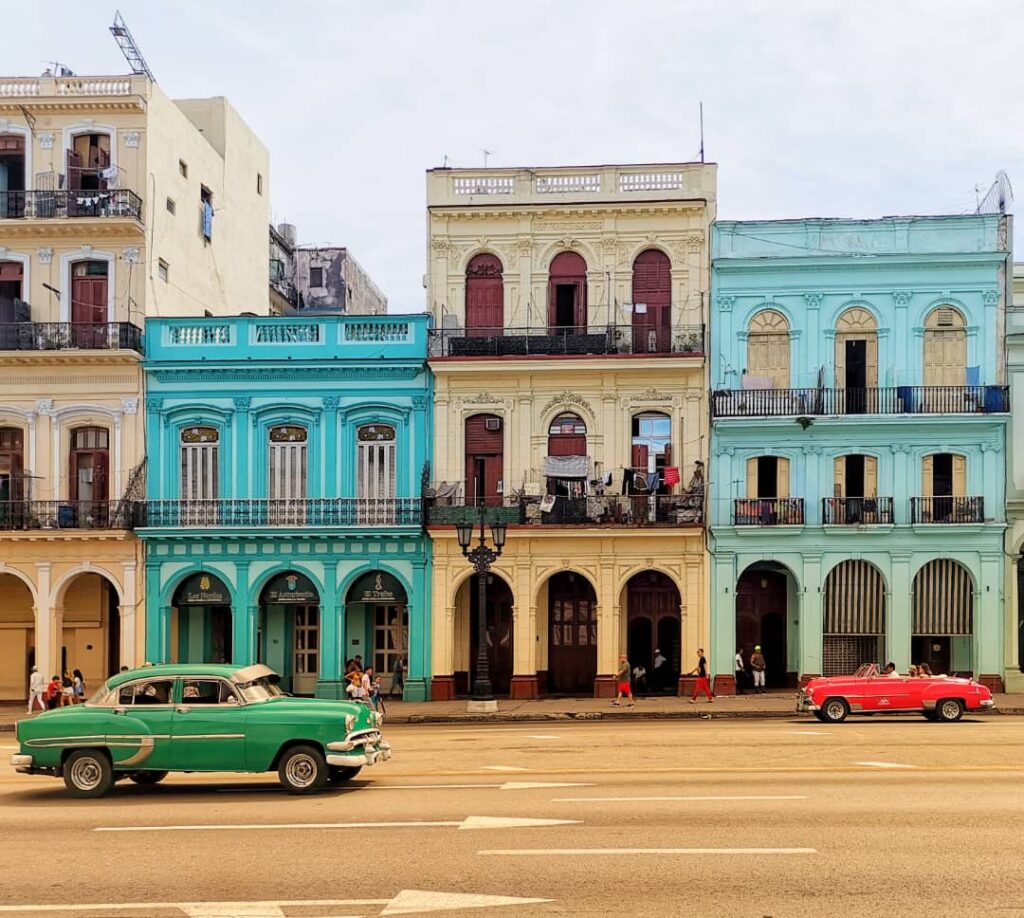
[
  {"x": 207, "y": 691},
  {"x": 150, "y": 691}
]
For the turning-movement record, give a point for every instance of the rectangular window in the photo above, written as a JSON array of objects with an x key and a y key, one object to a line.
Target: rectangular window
[
  {"x": 316, "y": 277},
  {"x": 259, "y": 183},
  {"x": 183, "y": 168},
  {"x": 206, "y": 213},
  {"x": 171, "y": 206},
  {"x": 163, "y": 269}
]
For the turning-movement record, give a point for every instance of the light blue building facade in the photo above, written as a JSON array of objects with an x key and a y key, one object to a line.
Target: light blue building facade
[
  {"x": 859, "y": 416},
  {"x": 283, "y": 521}
]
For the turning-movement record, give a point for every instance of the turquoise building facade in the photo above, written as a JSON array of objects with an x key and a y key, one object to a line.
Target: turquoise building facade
[
  {"x": 283, "y": 521},
  {"x": 859, "y": 415}
]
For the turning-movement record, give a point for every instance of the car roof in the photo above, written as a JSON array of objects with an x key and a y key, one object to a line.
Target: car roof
[{"x": 170, "y": 670}]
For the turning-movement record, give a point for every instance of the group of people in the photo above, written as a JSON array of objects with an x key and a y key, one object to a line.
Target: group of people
[
  {"x": 657, "y": 680},
  {"x": 364, "y": 684},
  {"x": 59, "y": 692},
  {"x": 750, "y": 674},
  {"x": 919, "y": 671}
]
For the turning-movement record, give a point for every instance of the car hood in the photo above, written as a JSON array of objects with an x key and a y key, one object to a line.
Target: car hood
[{"x": 319, "y": 706}]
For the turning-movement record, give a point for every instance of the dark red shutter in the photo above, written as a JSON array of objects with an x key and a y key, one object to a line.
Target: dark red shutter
[
  {"x": 568, "y": 268},
  {"x": 484, "y": 447},
  {"x": 484, "y": 296},
  {"x": 74, "y": 181},
  {"x": 652, "y": 285},
  {"x": 89, "y": 299}
]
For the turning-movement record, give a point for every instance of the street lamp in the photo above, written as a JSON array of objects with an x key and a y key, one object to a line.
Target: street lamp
[{"x": 481, "y": 557}]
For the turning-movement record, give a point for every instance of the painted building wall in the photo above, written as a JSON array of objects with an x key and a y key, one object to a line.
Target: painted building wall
[{"x": 895, "y": 273}]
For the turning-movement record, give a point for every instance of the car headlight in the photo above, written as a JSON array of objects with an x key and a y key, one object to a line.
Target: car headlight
[{"x": 350, "y": 723}]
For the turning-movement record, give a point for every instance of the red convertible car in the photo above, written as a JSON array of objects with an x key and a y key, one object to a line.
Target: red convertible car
[{"x": 943, "y": 698}]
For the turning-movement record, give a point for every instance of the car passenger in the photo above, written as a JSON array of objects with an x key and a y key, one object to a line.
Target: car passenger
[
  {"x": 913, "y": 672},
  {"x": 890, "y": 671}
]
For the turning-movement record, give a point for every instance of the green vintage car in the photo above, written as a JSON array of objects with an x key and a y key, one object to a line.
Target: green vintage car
[{"x": 147, "y": 722}]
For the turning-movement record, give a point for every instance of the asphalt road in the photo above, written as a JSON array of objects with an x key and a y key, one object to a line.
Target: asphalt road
[{"x": 708, "y": 818}]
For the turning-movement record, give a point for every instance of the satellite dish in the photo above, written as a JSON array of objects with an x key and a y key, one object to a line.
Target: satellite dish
[{"x": 999, "y": 199}]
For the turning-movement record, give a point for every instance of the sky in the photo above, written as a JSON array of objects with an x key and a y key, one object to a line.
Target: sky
[{"x": 811, "y": 107}]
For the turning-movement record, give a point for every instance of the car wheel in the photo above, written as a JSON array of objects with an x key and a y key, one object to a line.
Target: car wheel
[
  {"x": 339, "y": 775},
  {"x": 146, "y": 778},
  {"x": 949, "y": 710},
  {"x": 87, "y": 773},
  {"x": 302, "y": 770},
  {"x": 834, "y": 710}
]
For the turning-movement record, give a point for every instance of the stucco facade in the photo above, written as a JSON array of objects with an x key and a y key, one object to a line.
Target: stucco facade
[
  {"x": 553, "y": 388},
  {"x": 102, "y": 181},
  {"x": 284, "y": 514},
  {"x": 1013, "y": 632},
  {"x": 859, "y": 417}
]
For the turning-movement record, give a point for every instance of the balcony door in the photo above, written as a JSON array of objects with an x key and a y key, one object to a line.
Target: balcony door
[
  {"x": 485, "y": 297},
  {"x": 88, "y": 161},
  {"x": 89, "y": 470},
  {"x": 857, "y": 360},
  {"x": 567, "y": 294},
  {"x": 375, "y": 472},
  {"x": 287, "y": 474},
  {"x": 652, "y": 303},
  {"x": 768, "y": 350},
  {"x": 12, "y": 465},
  {"x": 200, "y": 475},
  {"x": 89, "y": 305},
  {"x": 485, "y": 459}
]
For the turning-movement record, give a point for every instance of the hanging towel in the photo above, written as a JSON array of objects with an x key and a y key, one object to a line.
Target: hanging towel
[
  {"x": 653, "y": 481},
  {"x": 671, "y": 476},
  {"x": 627, "y": 480},
  {"x": 547, "y": 502},
  {"x": 607, "y": 481},
  {"x": 565, "y": 466},
  {"x": 640, "y": 481}
]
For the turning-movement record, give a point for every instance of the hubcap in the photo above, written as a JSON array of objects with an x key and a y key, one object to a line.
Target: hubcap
[
  {"x": 301, "y": 770},
  {"x": 950, "y": 709},
  {"x": 86, "y": 774},
  {"x": 835, "y": 710}
]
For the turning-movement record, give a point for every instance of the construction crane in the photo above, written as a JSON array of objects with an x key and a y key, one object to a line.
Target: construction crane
[{"x": 128, "y": 47}]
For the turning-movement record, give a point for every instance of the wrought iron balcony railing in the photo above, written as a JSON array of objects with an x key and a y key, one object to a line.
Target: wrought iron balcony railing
[
  {"x": 544, "y": 341},
  {"x": 736, "y": 403},
  {"x": 856, "y": 511},
  {"x": 607, "y": 510},
  {"x": 947, "y": 510},
  {"x": 769, "y": 511},
  {"x": 67, "y": 514},
  {"x": 336, "y": 511},
  {"x": 65, "y": 336},
  {"x": 49, "y": 205}
]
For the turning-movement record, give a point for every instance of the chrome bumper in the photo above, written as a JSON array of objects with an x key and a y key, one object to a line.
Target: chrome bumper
[
  {"x": 366, "y": 756},
  {"x": 988, "y": 703},
  {"x": 804, "y": 705},
  {"x": 21, "y": 763}
]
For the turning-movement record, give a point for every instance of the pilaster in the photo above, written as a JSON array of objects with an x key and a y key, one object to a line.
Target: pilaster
[{"x": 898, "y": 613}]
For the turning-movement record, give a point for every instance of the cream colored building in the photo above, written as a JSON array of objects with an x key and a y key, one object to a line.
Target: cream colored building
[
  {"x": 570, "y": 307},
  {"x": 116, "y": 203}
]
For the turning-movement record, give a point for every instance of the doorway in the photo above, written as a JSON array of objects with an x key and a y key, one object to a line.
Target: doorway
[
  {"x": 498, "y": 630},
  {"x": 653, "y": 607},
  {"x": 762, "y": 620},
  {"x": 942, "y": 487},
  {"x": 567, "y": 293},
  {"x": 12, "y": 175},
  {"x": 856, "y": 375},
  {"x": 202, "y": 622},
  {"x": 572, "y": 635},
  {"x": 485, "y": 448}
]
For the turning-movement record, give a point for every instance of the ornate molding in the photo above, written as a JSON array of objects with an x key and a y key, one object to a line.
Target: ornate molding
[
  {"x": 900, "y": 448},
  {"x": 45, "y": 256},
  {"x": 420, "y": 402},
  {"x": 46, "y": 140},
  {"x": 812, "y": 449},
  {"x": 990, "y": 297},
  {"x": 563, "y": 226},
  {"x": 650, "y": 395},
  {"x": 131, "y": 138},
  {"x": 694, "y": 242},
  {"x": 130, "y": 405},
  {"x": 813, "y": 300},
  {"x": 482, "y": 398},
  {"x": 331, "y": 402},
  {"x": 154, "y": 404},
  {"x": 131, "y": 255},
  {"x": 568, "y": 399},
  {"x": 902, "y": 297},
  {"x": 291, "y": 374},
  {"x": 988, "y": 446},
  {"x": 725, "y": 303},
  {"x": 242, "y": 403},
  {"x": 44, "y": 406},
  {"x": 524, "y": 246}
]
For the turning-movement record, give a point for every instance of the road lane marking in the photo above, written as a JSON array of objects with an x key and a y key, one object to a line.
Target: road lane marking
[
  {"x": 469, "y": 822},
  {"x": 505, "y": 768},
  {"x": 622, "y": 852},
  {"x": 508, "y": 785},
  {"x": 809, "y": 733},
  {"x": 544, "y": 736},
  {"x": 410, "y": 901},
  {"x": 884, "y": 765},
  {"x": 654, "y": 799},
  {"x": 143, "y": 906}
]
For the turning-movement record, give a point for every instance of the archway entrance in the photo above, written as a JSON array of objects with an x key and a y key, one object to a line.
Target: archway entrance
[
  {"x": 762, "y": 619},
  {"x": 572, "y": 635},
  {"x": 653, "y": 608},
  {"x": 942, "y": 617},
  {"x": 289, "y": 634},
  {"x": 17, "y": 639},
  {"x": 90, "y": 638},
  {"x": 377, "y": 625},
  {"x": 201, "y": 621},
  {"x": 854, "y": 631},
  {"x": 498, "y": 610}
]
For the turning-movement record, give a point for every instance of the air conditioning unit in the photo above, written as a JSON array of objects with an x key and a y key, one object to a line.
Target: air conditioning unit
[{"x": 492, "y": 423}]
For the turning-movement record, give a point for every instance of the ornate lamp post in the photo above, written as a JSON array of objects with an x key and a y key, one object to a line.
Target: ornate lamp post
[{"x": 481, "y": 557}]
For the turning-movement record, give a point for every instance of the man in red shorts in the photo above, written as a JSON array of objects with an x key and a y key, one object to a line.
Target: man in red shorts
[
  {"x": 703, "y": 684},
  {"x": 622, "y": 678}
]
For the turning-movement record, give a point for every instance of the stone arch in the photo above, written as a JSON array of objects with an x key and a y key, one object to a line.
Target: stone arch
[
  {"x": 944, "y": 353},
  {"x": 59, "y": 589},
  {"x": 854, "y": 616}
]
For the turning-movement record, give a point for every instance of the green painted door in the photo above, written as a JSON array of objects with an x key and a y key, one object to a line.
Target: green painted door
[
  {"x": 208, "y": 727},
  {"x": 142, "y": 729}
]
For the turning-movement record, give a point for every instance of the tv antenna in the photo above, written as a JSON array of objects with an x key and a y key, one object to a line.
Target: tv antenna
[
  {"x": 486, "y": 154},
  {"x": 999, "y": 199},
  {"x": 128, "y": 47}
]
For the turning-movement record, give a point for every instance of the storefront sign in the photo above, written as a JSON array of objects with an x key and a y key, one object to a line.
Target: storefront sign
[
  {"x": 377, "y": 587},
  {"x": 202, "y": 590},
  {"x": 290, "y": 589}
]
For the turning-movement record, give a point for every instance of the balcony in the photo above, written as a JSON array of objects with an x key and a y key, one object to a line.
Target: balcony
[
  {"x": 857, "y": 511},
  {"x": 947, "y": 510},
  {"x": 603, "y": 340},
  {"x": 264, "y": 512},
  {"x": 608, "y": 510},
  {"x": 66, "y": 336},
  {"x": 67, "y": 514},
  {"x": 738, "y": 403},
  {"x": 768, "y": 511},
  {"x": 57, "y": 205}
]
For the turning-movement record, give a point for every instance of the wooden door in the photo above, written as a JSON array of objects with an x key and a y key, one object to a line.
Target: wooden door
[
  {"x": 484, "y": 459},
  {"x": 89, "y": 307},
  {"x": 572, "y": 635},
  {"x": 761, "y": 616},
  {"x": 652, "y": 287},
  {"x": 652, "y": 600},
  {"x": 567, "y": 293},
  {"x": 499, "y": 633},
  {"x": 89, "y": 465},
  {"x": 768, "y": 348},
  {"x": 485, "y": 296},
  {"x": 12, "y": 465}
]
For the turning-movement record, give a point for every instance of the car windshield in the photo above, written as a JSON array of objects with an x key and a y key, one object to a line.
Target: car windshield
[{"x": 260, "y": 690}]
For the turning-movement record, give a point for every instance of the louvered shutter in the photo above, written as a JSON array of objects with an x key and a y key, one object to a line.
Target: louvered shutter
[
  {"x": 927, "y": 466},
  {"x": 839, "y": 477},
  {"x": 870, "y": 476},
  {"x": 752, "y": 477},
  {"x": 959, "y": 476},
  {"x": 782, "y": 479}
]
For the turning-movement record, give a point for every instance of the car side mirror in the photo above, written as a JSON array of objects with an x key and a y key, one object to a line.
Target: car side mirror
[{"x": 120, "y": 710}]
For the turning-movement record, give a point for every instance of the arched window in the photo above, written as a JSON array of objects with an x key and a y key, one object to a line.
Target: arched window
[
  {"x": 89, "y": 465},
  {"x": 88, "y": 160},
  {"x": 12, "y": 465},
  {"x": 567, "y": 292},
  {"x": 200, "y": 475},
  {"x": 857, "y": 360},
  {"x": 652, "y": 303},
  {"x": 945, "y": 348},
  {"x": 566, "y": 465},
  {"x": 375, "y": 473},
  {"x": 484, "y": 296},
  {"x": 768, "y": 348},
  {"x": 12, "y": 165},
  {"x": 854, "y": 625},
  {"x": 942, "y": 616},
  {"x": 287, "y": 462}
]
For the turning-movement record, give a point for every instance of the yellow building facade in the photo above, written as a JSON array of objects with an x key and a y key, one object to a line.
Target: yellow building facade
[
  {"x": 570, "y": 309},
  {"x": 115, "y": 203}
]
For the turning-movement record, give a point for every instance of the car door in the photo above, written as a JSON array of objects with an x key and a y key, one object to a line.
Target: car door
[
  {"x": 887, "y": 694},
  {"x": 209, "y": 726},
  {"x": 140, "y": 733}
]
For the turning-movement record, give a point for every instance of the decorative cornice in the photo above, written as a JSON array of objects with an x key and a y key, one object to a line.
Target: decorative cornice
[
  {"x": 331, "y": 402},
  {"x": 990, "y": 297},
  {"x": 154, "y": 404},
  {"x": 725, "y": 303},
  {"x": 902, "y": 297},
  {"x": 568, "y": 399},
  {"x": 813, "y": 300},
  {"x": 482, "y": 398},
  {"x": 290, "y": 374},
  {"x": 242, "y": 403},
  {"x": 130, "y": 405}
]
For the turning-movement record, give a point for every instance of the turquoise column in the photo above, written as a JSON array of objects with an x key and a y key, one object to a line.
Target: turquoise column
[
  {"x": 155, "y": 626},
  {"x": 988, "y": 623},
  {"x": 240, "y": 436},
  {"x": 416, "y": 683},
  {"x": 809, "y": 616},
  {"x": 723, "y": 613},
  {"x": 244, "y": 617},
  {"x": 898, "y": 625},
  {"x": 332, "y": 637}
]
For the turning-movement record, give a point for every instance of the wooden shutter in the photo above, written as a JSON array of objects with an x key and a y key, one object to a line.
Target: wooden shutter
[
  {"x": 839, "y": 477},
  {"x": 484, "y": 295},
  {"x": 752, "y": 477},
  {"x": 840, "y": 361},
  {"x": 782, "y": 479},
  {"x": 959, "y": 476},
  {"x": 74, "y": 179},
  {"x": 927, "y": 466},
  {"x": 870, "y": 476},
  {"x": 871, "y": 361},
  {"x": 640, "y": 457}
]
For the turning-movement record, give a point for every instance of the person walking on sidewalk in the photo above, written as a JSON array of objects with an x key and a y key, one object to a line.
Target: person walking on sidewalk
[
  {"x": 757, "y": 668},
  {"x": 741, "y": 671},
  {"x": 703, "y": 685},
  {"x": 36, "y": 690},
  {"x": 622, "y": 678}
]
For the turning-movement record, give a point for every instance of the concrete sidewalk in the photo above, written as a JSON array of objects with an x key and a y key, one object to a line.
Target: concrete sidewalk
[{"x": 772, "y": 704}]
